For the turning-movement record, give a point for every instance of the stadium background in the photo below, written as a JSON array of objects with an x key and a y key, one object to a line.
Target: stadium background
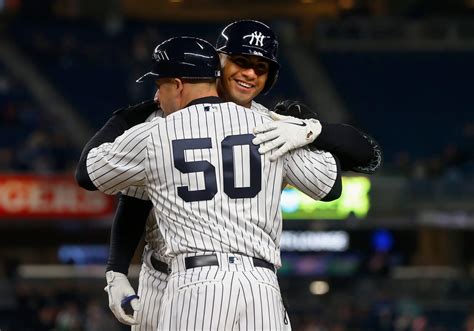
[{"x": 395, "y": 253}]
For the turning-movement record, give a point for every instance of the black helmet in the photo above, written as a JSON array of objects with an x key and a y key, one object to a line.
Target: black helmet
[
  {"x": 184, "y": 57},
  {"x": 248, "y": 37}
]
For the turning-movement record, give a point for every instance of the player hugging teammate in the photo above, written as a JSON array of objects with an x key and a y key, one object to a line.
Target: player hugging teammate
[{"x": 212, "y": 229}]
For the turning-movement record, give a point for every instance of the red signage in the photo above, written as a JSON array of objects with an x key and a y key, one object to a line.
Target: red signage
[{"x": 35, "y": 196}]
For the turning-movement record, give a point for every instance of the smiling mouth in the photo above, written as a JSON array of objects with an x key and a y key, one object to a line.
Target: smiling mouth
[{"x": 243, "y": 84}]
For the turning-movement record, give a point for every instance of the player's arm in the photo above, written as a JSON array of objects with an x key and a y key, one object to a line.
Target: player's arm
[
  {"x": 356, "y": 150},
  {"x": 113, "y": 167},
  {"x": 127, "y": 229},
  {"x": 316, "y": 173},
  {"x": 121, "y": 120}
]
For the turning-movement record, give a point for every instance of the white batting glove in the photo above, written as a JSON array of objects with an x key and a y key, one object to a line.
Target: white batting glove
[
  {"x": 284, "y": 134},
  {"x": 120, "y": 291}
]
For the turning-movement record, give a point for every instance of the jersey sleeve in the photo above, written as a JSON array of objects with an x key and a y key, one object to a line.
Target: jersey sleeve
[
  {"x": 113, "y": 167},
  {"x": 259, "y": 107},
  {"x": 157, "y": 113},
  {"x": 138, "y": 192},
  {"x": 313, "y": 172}
]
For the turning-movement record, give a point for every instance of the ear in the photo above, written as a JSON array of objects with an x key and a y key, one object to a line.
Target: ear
[{"x": 178, "y": 85}]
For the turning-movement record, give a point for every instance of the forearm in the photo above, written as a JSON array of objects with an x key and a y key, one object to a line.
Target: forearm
[
  {"x": 352, "y": 147},
  {"x": 127, "y": 230},
  {"x": 356, "y": 150}
]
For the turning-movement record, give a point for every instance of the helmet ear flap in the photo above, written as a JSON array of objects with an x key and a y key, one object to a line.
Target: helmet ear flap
[{"x": 271, "y": 78}]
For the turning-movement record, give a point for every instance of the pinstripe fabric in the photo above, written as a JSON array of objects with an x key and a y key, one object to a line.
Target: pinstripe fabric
[
  {"x": 153, "y": 237},
  {"x": 151, "y": 289},
  {"x": 143, "y": 156},
  {"x": 151, "y": 282},
  {"x": 258, "y": 107},
  {"x": 231, "y": 296},
  {"x": 190, "y": 175}
]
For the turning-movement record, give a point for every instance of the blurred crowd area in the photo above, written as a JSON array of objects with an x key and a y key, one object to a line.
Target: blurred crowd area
[
  {"x": 424, "y": 125},
  {"x": 69, "y": 306},
  {"x": 31, "y": 140}
]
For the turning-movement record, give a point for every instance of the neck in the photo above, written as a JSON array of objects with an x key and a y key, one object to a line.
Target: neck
[{"x": 194, "y": 91}]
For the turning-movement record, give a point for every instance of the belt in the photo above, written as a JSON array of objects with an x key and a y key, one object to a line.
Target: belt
[
  {"x": 159, "y": 265},
  {"x": 210, "y": 260}
]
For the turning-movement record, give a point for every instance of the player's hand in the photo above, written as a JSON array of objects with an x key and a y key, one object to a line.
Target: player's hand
[
  {"x": 295, "y": 109},
  {"x": 136, "y": 114},
  {"x": 284, "y": 134},
  {"x": 120, "y": 293}
]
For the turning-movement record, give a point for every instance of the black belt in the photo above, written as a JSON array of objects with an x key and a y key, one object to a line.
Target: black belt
[
  {"x": 210, "y": 260},
  {"x": 159, "y": 265}
]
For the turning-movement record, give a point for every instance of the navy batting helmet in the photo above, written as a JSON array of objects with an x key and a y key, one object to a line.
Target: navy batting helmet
[
  {"x": 248, "y": 37},
  {"x": 184, "y": 57}
]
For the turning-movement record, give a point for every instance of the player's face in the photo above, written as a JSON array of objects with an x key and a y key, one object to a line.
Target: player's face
[
  {"x": 167, "y": 95},
  {"x": 243, "y": 77}
]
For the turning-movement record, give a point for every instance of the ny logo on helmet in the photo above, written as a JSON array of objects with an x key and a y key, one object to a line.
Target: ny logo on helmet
[
  {"x": 160, "y": 55},
  {"x": 256, "y": 37}
]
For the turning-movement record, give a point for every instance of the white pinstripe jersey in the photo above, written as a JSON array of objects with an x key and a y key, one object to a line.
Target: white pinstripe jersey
[
  {"x": 214, "y": 191},
  {"x": 153, "y": 236}
]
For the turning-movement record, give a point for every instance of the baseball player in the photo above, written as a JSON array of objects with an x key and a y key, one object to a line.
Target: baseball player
[
  {"x": 233, "y": 41},
  {"x": 218, "y": 197},
  {"x": 253, "y": 46},
  {"x": 237, "y": 59}
]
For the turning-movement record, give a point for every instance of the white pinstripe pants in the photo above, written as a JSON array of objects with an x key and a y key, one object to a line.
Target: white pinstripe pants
[
  {"x": 231, "y": 296},
  {"x": 151, "y": 289}
]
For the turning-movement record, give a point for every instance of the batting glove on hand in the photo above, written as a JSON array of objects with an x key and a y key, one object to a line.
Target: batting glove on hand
[
  {"x": 121, "y": 292},
  {"x": 284, "y": 134},
  {"x": 295, "y": 109}
]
